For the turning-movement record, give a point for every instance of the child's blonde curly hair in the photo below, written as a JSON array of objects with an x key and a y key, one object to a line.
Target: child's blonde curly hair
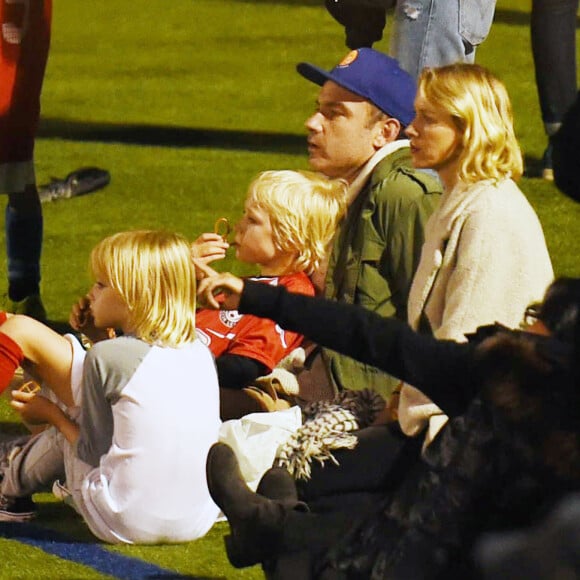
[{"x": 304, "y": 210}]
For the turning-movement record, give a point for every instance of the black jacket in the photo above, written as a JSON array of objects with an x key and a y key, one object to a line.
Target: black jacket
[{"x": 508, "y": 453}]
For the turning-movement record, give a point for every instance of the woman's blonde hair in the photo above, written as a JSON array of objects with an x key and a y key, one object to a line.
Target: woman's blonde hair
[
  {"x": 154, "y": 274},
  {"x": 480, "y": 107},
  {"x": 304, "y": 210}
]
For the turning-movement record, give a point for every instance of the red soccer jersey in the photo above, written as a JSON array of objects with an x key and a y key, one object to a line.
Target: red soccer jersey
[
  {"x": 229, "y": 332},
  {"x": 24, "y": 44}
]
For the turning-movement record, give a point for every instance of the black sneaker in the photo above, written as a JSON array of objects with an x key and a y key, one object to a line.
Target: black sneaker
[
  {"x": 79, "y": 182},
  {"x": 16, "y": 509}
]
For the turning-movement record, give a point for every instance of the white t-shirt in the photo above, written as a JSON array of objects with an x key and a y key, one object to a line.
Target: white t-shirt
[{"x": 160, "y": 407}]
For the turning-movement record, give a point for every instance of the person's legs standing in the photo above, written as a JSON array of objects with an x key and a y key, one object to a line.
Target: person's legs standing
[
  {"x": 25, "y": 39},
  {"x": 553, "y": 32},
  {"x": 439, "y": 32}
]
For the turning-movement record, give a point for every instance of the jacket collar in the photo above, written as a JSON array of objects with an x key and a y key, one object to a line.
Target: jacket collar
[{"x": 361, "y": 179}]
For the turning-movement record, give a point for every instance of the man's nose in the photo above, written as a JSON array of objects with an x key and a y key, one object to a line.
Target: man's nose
[{"x": 313, "y": 122}]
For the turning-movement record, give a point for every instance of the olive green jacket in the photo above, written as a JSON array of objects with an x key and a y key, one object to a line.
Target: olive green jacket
[{"x": 375, "y": 253}]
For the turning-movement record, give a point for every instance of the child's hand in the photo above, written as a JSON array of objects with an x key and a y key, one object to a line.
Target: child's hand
[
  {"x": 80, "y": 315},
  {"x": 227, "y": 285},
  {"x": 81, "y": 319},
  {"x": 34, "y": 409},
  {"x": 37, "y": 410},
  {"x": 209, "y": 247},
  {"x": 202, "y": 270}
]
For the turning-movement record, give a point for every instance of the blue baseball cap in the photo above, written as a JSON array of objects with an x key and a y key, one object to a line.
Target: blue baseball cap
[{"x": 373, "y": 76}]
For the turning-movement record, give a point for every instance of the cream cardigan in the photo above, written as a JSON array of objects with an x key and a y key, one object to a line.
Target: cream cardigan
[{"x": 484, "y": 260}]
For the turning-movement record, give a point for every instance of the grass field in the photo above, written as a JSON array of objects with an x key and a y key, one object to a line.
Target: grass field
[{"x": 184, "y": 102}]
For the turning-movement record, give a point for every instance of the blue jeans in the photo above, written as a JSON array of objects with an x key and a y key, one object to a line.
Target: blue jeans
[
  {"x": 553, "y": 30},
  {"x": 439, "y": 32}
]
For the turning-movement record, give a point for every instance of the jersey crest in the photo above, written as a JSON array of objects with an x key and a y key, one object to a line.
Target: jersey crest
[{"x": 230, "y": 317}]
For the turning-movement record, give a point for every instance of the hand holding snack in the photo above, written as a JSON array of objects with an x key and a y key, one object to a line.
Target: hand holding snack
[
  {"x": 34, "y": 409},
  {"x": 81, "y": 319}
]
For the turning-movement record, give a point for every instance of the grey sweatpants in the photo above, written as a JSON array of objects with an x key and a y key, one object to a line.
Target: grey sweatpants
[{"x": 34, "y": 464}]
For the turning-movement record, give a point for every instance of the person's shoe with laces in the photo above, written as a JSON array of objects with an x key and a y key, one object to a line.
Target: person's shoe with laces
[
  {"x": 14, "y": 509},
  {"x": 61, "y": 492},
  {"x": 31, "y": 306},
  {"x": 17, "y": 509}
]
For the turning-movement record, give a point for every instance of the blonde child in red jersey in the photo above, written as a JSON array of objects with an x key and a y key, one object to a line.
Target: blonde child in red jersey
[{"x": 289, "y": 221}]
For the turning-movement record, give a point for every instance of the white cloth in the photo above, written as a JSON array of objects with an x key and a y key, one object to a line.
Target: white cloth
[
  {"x": 150, "y": 487},
  {"x": 256, "y": 439}
]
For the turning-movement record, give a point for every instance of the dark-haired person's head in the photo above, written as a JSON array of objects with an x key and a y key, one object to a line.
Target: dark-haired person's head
[
  {"x": 559, "y": 312},
  {"x": 364, "y": 103}
]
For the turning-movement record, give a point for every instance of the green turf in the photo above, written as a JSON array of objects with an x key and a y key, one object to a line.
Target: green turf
[{"x": 184, "y": 102}]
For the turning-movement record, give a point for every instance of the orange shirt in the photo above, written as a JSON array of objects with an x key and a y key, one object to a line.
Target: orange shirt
[{"x": 229, "y": 332}]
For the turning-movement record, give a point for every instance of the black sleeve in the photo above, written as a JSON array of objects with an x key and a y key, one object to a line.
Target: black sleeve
[
  {"x": 443, "y": 370},
  {"x": 363, "y": 24},
  {"x": 236, "y": 372}
]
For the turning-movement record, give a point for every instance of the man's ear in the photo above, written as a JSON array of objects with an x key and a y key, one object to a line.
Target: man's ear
[{"x": 386, "y": 131}]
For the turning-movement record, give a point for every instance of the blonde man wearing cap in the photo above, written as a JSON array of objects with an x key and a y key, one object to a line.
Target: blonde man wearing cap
[{"x": 356, "y": 133}]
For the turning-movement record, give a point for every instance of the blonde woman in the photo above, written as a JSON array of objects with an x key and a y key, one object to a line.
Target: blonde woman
[
  {"x": 485, "y": 257},
  {"x": 148, "y": 407}
]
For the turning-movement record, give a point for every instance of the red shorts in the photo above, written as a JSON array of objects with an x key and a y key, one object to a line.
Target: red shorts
[{"x": 24, "y": 44}]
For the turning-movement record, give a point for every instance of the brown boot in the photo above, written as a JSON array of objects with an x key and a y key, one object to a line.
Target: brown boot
[
  {"x": 256, "y": 523},
  {"x": 278, "y": 484}
]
